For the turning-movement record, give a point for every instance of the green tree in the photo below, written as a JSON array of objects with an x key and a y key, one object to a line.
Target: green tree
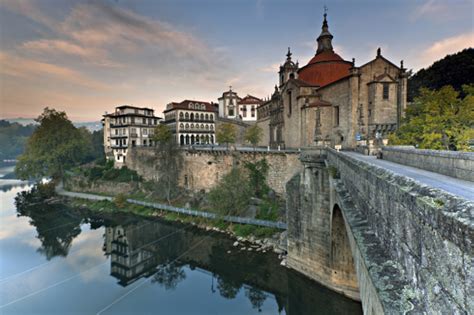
[
  {"x": 439, "y": 120},
  {"x": 232, "y": 195},
  {"x": 253, "y": 135},
  {"x": 226, "y": 133},
  {"x": 257, "y": 173},
  {"x": 170, "y": 163},
  {"x": 54, "y": 146}
]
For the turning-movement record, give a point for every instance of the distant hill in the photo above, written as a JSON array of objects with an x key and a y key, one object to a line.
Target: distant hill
[
  {"x": 13, "y": 138},
  {"x": 455, "y": 70},
  {"x": 90, "y": 125}
]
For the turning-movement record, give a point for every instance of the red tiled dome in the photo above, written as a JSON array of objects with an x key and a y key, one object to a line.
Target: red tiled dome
[{"x": 324, "y": 68}]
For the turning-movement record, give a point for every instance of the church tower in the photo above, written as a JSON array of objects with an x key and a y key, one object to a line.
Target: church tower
[
  {"x": 289, "y": 70},
  {"x": 325, "y": 38}
]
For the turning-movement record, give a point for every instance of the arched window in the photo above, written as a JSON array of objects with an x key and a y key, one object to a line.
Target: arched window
[
  {"x": 186, "y": 115},
  {"x": 192, "y": 116},
  {"x": 192, "y": 126},
  {"x": 212, "y": 127},
  {"x": 203, "y": 139},
  {"x": 181, "y": 115},
  {"x": 187, "y": 126},
  {"x": 197, "y": 126},
  {"x": 202, "y": 126},
  {"x": 202, "y": 116},
  {"x": 181, "y": 126},
  {"x": 187, "y": 139},
  {"x": 192, "y": 139},
  {"x": 181, "y": 140},
  {"x": 207, "y": 127},
  {"x": 212, "y": 139},
  {"x": 207, "y": 139},
  {"x": 212, "y": 117},
  {"x": 207, "y": 116},
  {"x": 191, "y": 106}
]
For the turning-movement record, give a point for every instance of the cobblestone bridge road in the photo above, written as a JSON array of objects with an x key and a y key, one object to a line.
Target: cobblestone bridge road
[{"x": 455, "y": 186}]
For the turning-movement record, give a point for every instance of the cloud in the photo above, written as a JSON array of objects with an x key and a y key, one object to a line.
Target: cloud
[
  {"x": 440, "y": 11},
  {"x": 443, "y": 47},
  {"x": 31, "y": 69}
]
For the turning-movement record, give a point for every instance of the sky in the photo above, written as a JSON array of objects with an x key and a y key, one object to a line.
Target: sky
[{"x": 86, "y": 57}]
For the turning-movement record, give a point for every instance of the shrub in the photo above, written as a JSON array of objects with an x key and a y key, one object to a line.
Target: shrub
[{"x": 120, "y": 201}]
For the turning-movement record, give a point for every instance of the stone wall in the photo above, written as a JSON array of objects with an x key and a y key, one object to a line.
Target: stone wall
[
  {"x": 426, "y": 232},
  {"x": 450, "y": 163},
  {"x": 202, "y": 170}
]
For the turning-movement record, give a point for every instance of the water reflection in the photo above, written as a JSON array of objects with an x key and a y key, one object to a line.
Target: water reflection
[{"x": 165, "y": 253}]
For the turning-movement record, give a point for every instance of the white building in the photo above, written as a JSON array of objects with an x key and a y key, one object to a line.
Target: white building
[
  {"x": 247, "y": 108},
  {"x": 192, "y": 122},
  {"x": 228, "y": 104},
  {"x": 127, "y": 127},
  {"x": 233, "y": 107}
]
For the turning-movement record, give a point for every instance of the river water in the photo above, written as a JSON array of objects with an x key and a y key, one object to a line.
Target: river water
[{"x": 58, "y": 260}]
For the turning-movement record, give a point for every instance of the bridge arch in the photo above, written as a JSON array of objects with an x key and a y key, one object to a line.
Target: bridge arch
[{"x": 341, "y": 258}]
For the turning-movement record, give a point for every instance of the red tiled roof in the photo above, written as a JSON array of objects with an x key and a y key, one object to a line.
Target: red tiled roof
[
  {"x": 208, "y": 107},
  {"x": 324, "y": 68},
  {"x": 249, "y": 99}
]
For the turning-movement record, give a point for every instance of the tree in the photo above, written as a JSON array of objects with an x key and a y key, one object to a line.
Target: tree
[
  {"x": 170, "y": 161},
  {"x": 438, "y": 120},
  {"x": 54, "y": 146},
  {"x": 233, "y": 193},
  {"x": 253, "y": 135},
  {"x": 226, "y": 133},
  {"x": 257, "y": 177}
]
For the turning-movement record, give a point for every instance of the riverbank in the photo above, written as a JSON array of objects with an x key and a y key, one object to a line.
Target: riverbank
[{"x": 247, "y": 237}]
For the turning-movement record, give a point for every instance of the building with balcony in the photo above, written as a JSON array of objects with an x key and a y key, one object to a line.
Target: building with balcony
[
  {"x": 127, "y": 127},
  {"x": 192, "y": 122}
]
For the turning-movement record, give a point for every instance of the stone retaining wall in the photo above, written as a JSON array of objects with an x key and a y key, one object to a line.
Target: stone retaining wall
[
  {"x": 427, "y": 233},
  {"x": 202, "y": 170},
  {"x": 451, "y": 163}
]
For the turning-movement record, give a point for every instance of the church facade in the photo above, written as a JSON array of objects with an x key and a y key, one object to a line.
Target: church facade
[{"x": 331, "y": 101}]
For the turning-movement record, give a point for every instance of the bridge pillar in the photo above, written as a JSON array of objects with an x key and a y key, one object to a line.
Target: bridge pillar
[{"x": 317, "y": 240}]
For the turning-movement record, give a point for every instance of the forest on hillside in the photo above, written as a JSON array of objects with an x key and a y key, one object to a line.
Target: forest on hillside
[
  {"x": 13, "y": 137},
  {"x": 455, "y": 70}
]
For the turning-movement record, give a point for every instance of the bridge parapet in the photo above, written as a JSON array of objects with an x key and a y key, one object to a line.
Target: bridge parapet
[
  {"x": 451, "y": 163},
  {"x": 426, "y": 233}
]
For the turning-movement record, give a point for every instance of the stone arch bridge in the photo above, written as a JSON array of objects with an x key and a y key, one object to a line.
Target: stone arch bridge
[{"x": 398, "y": 245}]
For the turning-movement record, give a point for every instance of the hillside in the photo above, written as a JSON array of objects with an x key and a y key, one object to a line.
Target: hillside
[
  {"x": 13, "y": 137},
  {"x": 455, "y": 70}
]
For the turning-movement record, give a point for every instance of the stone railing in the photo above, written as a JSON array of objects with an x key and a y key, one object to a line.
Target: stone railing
[
  {"x": 426, "y": 232},
  {"x": 451, "y": 163}
]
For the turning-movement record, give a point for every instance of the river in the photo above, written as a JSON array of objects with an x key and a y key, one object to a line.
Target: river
[{"x": 58, "y": 260}]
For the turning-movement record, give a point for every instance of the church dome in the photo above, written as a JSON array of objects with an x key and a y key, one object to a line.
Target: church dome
[{"x": 326, "y": 66}]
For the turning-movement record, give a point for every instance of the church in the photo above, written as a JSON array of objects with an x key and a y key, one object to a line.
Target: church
[{"x": 332, "y": 102}]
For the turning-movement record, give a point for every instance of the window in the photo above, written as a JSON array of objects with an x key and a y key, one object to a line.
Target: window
[
  {"x": 181, "y": 126},
  {"x": 132, "y": 120},
  {"x": 253, "y": 111},
  {"x": 385, "y": 91},
  {"x": 289, "y": 102},
  {"x": 212, "y": 117},
  {"x": 156, "y": 121},
  {"x": 336, "y": 116},
  {"x": 181, "y": 115},
  {"x": 144, "y": 121},
  {"x": 145, "y": 131},
  {"x": 231, "y": 110},
  {"x": 116, "y": 132},
  {"x": 144, "y": 142},
  {"x": 207, "y": 116}
]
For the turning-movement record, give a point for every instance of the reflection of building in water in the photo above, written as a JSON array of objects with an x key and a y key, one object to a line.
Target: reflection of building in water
[{"x": 128, "y": 262}]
